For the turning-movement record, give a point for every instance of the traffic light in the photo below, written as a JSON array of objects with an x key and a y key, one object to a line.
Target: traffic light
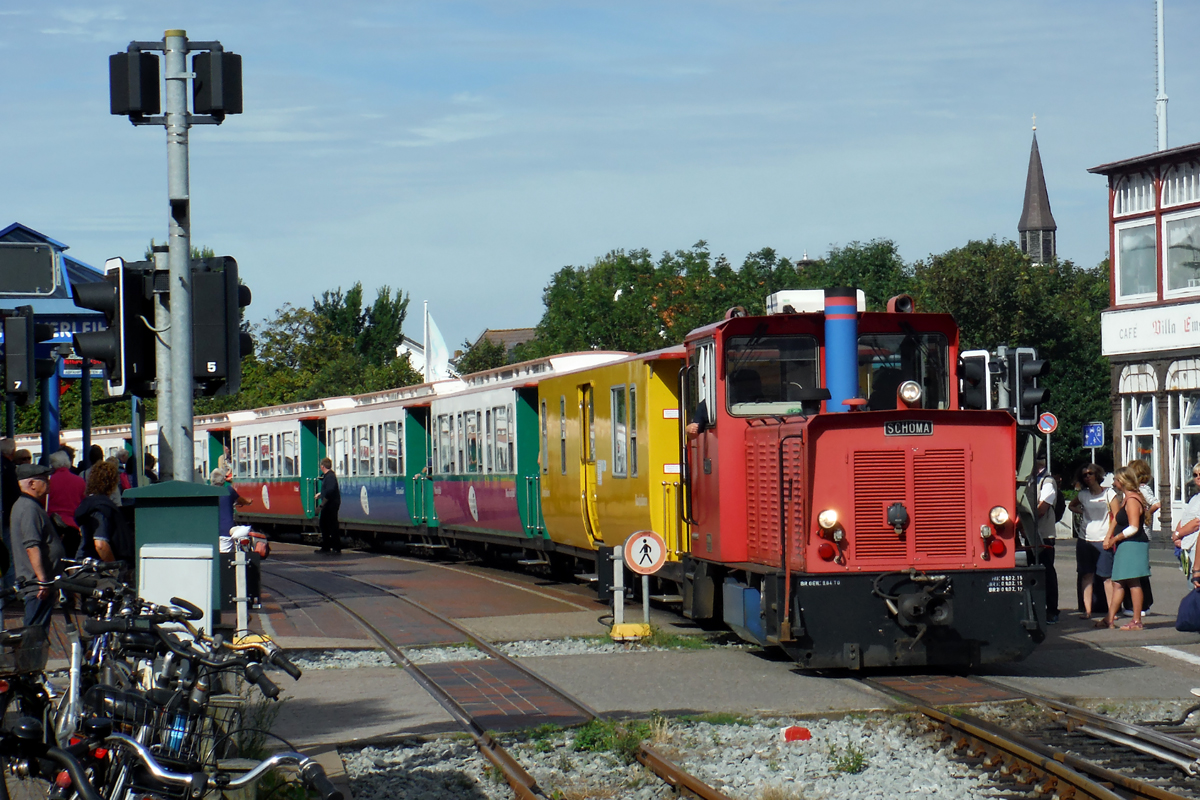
[
  {"x": 217, "y": 89},
  {"x": 125, "y": 298},
  {"x": 133, "y": 88},
  {"x": 1026, "y": 368},
  {"x": 218, "y": 342},
  {"x": 21, "y": 368},
  {"x": 974, "y": 380}
]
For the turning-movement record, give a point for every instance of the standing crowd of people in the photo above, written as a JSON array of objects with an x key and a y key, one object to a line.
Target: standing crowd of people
[
  {"x": 1112, "y": 523},
  {"x": 60, "y": 510}
]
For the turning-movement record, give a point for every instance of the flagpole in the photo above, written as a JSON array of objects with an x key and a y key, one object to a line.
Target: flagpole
[{"x": 425, "y": 344}]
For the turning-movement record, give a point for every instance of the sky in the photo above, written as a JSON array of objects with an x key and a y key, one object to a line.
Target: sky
[{"x": 463, "y": 152}]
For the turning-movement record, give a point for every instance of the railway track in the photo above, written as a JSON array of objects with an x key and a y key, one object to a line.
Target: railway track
[
  {"x": 524, "y": 786},
  {"x": 1068, "y": 752}
]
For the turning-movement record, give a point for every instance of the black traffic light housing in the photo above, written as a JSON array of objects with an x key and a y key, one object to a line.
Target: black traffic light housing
[
  {"x": 126, "y": 347},
  {"x": 1025, "y": 369},
  {"x": 217, "y": 88},
  {"x": 974, "y": 380},
  {"x": 218, "y": 343},
  {"x": 22, "y": 368},
  {"x": 133, "y": 85}
]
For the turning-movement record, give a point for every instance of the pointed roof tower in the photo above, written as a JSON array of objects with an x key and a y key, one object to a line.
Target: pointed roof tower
[{"x": 1037, "y": 227}]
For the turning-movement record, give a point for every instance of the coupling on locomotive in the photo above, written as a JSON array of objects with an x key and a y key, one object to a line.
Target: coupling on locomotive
[{"x": 813, "y": 474}]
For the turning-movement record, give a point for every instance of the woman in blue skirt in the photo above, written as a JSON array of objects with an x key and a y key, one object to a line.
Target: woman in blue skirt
[{"x": 1131, "y": 562}]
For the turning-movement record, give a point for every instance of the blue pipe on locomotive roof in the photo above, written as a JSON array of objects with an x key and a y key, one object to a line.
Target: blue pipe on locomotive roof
[{"x": 841, "y": 346}]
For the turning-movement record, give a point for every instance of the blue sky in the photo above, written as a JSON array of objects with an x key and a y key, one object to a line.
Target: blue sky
[{"x": 464, "y": 151}]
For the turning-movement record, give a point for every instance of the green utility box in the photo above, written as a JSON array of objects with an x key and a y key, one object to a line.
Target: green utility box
[{"x": 177, "y": 512}]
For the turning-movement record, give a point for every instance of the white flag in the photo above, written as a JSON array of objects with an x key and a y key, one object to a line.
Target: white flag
[{"x": 437, "y": 355}]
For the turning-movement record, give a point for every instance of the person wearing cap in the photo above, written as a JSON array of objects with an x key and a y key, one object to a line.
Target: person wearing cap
[
  {"x": 37, "y": 549},
  {"x": 1047, "y": 494}
]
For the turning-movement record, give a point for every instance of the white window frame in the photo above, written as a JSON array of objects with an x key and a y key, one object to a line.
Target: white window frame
[
  {"x": 1144, "y": 297},
  {"x": 620, "y": 431},
  {"x": 1190, "y": 291},
  {"x": 631, "y": 410}
]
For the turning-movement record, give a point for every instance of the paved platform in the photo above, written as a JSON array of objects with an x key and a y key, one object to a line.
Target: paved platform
[{"x": 1076, "y": 662}]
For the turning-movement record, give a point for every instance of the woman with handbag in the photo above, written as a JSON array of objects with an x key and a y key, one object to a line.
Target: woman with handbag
[{"x": 1131, "y": 559}]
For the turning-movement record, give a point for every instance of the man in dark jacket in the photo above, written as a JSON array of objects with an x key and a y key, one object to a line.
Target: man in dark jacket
[
  {"x": 37, "y": 550},
  {"x": 10, "y": 490},
  {"x": 330, "y": 498}
]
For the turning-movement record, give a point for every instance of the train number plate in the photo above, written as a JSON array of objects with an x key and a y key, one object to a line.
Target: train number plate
[
  {"x": 1005, "y": 584},
  {"x": 910, "y": 427}
]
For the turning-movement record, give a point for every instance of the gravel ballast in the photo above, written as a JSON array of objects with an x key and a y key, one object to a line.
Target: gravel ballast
[{"x": 880, "y": 756}]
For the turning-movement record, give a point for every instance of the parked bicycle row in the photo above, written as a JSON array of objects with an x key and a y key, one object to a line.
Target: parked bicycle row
[{"x": 152, "y": 707}]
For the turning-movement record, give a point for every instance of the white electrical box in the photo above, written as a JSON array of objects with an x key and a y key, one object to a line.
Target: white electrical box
[{"x": 177, "y": 570}]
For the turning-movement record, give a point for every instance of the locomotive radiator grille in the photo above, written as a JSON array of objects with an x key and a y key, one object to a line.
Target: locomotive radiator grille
[
  {"x": 762, "y": 501},
  {"x": 940, "y": 504},
  {"x": 880, "y": 478}
]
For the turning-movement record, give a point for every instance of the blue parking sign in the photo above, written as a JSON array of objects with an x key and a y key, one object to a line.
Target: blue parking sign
[{"x": 1093, "y": 434}]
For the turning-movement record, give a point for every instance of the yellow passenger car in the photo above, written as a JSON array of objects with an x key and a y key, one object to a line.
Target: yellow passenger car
[{"x": 610, "y": 462}]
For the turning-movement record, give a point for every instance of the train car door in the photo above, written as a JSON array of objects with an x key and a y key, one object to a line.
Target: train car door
[
  {"x": 312, "y": 450},
  {"x": 587, "y": 467},
  {"x": 418, "y": 464}
]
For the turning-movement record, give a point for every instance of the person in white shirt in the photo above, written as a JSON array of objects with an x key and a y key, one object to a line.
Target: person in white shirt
[
  {"x": 1047, "y": 493},
  {"x": 1092, "y": 505},
  {"x": 1187, "y": 530}
]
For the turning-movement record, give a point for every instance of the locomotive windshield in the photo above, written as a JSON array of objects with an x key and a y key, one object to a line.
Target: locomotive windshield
[
  {"x": 886, "y": 360},
  {"x": 770, "y": 374}
]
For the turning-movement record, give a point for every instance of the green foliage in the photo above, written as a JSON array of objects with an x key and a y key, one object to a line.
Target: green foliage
[
  {"x": 999, "y": 298},
  {"x": 851, "y": 760},
  {"x": 622, "y": 739},
  {"x": 483, "y": 355}
]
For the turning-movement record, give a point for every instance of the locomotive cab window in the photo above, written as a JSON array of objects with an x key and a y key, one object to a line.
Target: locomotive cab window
[
  {"x": 886, "y": 360},
  {"x": 770, "y": 374}
]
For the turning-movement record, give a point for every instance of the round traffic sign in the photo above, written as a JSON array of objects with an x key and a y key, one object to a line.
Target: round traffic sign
[
  {"x": 645, "y": 552},
  {"x": 1047, "y": 422}
]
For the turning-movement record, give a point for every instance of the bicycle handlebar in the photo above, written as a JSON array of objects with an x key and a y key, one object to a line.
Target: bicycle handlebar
[
  {"x": 285, "y": 664},
  {"x": 79, "y": 779},
  {"x": 310, "y": 771}
]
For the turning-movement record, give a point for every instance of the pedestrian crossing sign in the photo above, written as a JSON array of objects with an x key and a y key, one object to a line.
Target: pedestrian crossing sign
[{"x": 645, "y": 552}]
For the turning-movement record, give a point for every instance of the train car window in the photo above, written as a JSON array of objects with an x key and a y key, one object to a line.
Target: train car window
[
  {"x": 768, "y": 374},
  {"x": 289, "y": 454},
  {"x": 391, "y": 448},
  {"x": 500, "y": 416},
  {"x": 376, "y": 464},
  {"x": 264, "y": 456},
  {"x": 633, "y": 431},
  {"x": 512, "y": 440},
  {"x": 363, "y": 451},
  {"x": 544, "y": 455},
  {"x": 590, "y": 415},
  {"x": 458, "y": 440},
  {"x": 620, "y": 432},
  {"x": 885, "y": 360},
  {"x": 445, "y": 444},
  {"x": 562, "y": 434},
  {"x": 243, "y": 456},
  {"x": 472, "y": 441},
  {"x": 488, "y": 441}
]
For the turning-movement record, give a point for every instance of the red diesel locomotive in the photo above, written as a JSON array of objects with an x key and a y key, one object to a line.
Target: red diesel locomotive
[{"x": 840, "y": 504}]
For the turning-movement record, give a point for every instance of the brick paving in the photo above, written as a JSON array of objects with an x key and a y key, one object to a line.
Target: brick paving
[
  {"x": 500, "y": 697},
  {"x": 947, "y": 690}
]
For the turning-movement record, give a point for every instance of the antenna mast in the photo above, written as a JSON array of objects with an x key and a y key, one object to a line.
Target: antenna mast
[{"x": 1160, "y": 102}]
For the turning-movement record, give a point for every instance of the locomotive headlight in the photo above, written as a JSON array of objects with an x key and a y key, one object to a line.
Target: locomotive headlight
[
  {"x": 910, "y": 392},
  {"x": 999, "y": 516},
  {"x": 827, "y": 519}
]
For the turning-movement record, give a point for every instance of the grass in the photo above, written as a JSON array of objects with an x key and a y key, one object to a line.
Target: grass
[
  {"x": 621, "y": 738},
  {"x": 852, "y": 760},
  {"x": 543, "y": 735},
  {"x": 780, "y": 793},
  {"x": 660, "y": 638}
]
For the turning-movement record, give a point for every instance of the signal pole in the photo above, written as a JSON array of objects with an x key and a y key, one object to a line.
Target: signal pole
[{"x": 179, "y": 253}]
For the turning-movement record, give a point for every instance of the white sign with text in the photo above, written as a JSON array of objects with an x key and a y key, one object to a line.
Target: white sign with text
[{"x": 1144, "y": 330}]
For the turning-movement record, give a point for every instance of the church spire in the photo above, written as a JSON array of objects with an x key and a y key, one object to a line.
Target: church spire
[{"x": 1037, "y": 228}]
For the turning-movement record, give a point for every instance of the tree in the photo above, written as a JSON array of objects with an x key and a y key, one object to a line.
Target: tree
[
  {"x": 483, "y": 355},
  {"x": 999, "y": 298}
]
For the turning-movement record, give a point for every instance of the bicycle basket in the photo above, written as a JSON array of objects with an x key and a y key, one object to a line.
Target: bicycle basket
[{"x": 23, "y": 650}]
